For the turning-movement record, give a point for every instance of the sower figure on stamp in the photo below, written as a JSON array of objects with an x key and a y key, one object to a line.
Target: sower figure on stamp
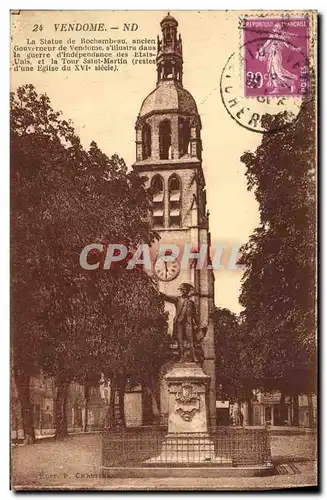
[
  {"x": 271, "y": 52},
  {"x": 186, "y": 326}
]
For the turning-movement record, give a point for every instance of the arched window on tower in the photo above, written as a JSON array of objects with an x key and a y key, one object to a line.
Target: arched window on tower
[
  {"x": 174, "y": 191},
  {"x": 165, "y": 140},
  {"x": 158, "y": 191},
  {"x": 184, "y": 136},
  {"x": 146, "y": 141}
]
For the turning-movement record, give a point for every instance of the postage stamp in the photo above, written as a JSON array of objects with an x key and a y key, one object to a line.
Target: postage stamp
[{"x": 275, "y": 56}]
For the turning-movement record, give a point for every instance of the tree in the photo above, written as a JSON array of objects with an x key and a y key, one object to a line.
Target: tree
[
  {"x": 278, "y": 288},
  {"x": 138, "y": 343},
  {"x": 233, "y": 357},
  {"x": 36, "y": 139}
]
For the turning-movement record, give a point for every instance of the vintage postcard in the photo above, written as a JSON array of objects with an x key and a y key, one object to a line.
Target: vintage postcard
[{"x": 163, "y": 250}]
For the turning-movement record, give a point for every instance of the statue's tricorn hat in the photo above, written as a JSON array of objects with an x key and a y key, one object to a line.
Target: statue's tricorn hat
[{"x": 186, "y": 286}]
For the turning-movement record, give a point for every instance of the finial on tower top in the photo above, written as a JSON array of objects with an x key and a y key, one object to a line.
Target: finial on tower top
[{"x": 169, "y": 57}]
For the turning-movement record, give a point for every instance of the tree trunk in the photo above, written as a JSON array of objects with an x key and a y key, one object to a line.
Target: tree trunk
[
  {"x": 155, "y": 390},
  {"x": 295, "y": 415},
  {"x": 147, "y": 411},
  {"x": 121, "y": 401},
  {"x": 111, "y": 409},
  {"x": 86, "y": 405},
  {"x": 64, "y": 410},
  {"x": 310, "y": 409},
  {"x": 23, "y": 389},
  {"x": 60, "y": 409}
]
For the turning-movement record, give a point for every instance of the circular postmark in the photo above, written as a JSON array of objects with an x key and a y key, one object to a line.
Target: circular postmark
[{"x": 268, "y": 76}]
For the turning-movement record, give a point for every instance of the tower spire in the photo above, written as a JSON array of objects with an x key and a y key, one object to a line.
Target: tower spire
[{"x": 169, "y": 56}]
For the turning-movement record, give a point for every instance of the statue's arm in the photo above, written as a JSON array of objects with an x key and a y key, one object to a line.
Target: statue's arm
[
  {"x": 203, "y": 295},
  {"x": 169, "y": 298}
]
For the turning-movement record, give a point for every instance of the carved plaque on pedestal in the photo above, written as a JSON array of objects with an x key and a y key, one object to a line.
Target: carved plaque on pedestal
[
  {"x": 187, "y": 389},
  {"x": 188, "y": 402}
]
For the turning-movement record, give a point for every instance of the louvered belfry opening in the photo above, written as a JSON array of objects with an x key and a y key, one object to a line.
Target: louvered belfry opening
[
  {"x": 174, "y": 191},
  {"x": 158, "y": 208}
]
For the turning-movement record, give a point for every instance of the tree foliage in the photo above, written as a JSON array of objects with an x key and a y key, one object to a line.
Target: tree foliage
[
  {"x": 234, "y": 373},
  {"x": 72, "y": 322}
]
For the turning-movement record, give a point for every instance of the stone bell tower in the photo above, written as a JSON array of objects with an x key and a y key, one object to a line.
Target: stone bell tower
[{"x": 169, "y": 154}]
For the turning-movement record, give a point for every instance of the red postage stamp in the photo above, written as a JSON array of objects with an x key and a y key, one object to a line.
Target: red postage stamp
[{"x": 275, "y": 56}]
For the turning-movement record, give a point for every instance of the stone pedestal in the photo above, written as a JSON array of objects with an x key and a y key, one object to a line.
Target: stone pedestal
[
  {"x": 188, "y": 440},
  {"x": 188, "y": 399}
]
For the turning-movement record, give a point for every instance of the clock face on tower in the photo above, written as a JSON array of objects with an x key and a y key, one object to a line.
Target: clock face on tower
[{"x": 166, "y": 271}]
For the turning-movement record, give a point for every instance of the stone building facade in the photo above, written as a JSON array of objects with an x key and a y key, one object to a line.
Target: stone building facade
[
  {"x": 266, "y": 410},
  {"x": 43, "y": 397}
]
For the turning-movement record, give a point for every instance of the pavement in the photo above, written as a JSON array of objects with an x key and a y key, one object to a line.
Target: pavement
[{"x": 74, "y": 464}]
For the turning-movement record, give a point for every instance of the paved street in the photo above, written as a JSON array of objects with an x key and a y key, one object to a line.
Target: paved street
[{"x": 72, "y": 462}]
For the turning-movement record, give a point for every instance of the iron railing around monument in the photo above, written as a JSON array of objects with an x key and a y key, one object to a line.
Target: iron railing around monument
[{"x": 225, "y": 446}]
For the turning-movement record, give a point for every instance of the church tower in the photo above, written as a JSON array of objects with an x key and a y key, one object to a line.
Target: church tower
[{"x": 169, "y": 154}]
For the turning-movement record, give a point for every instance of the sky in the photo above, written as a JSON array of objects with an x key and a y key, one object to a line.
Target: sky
[{"x": 104, "y": 106}]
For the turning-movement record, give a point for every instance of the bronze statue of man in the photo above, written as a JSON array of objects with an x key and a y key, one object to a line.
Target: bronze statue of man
[{"x": 186, "y": 328}]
